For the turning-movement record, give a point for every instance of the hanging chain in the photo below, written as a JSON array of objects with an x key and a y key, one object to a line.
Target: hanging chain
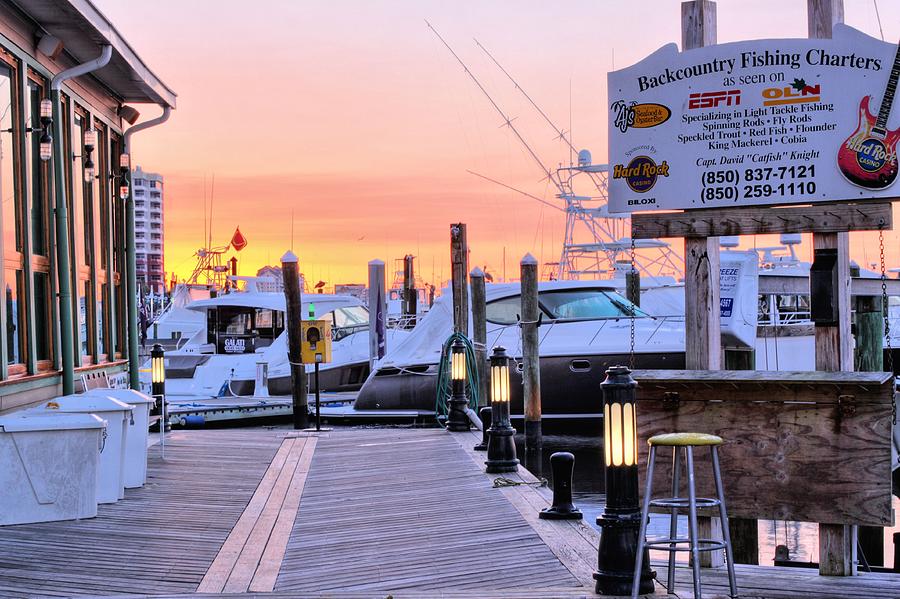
[
  {"x": 886, "y": 313},
  {"x": 634, "y": 297}
]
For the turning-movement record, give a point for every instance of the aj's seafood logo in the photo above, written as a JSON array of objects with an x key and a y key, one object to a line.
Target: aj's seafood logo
[
  {"x": 638, "y": 116},
  {"x": 641, "y": 173}
]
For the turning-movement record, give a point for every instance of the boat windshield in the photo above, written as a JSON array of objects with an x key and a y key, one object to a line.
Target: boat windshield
[
  {"x": 239, "y": 330},
  {"x": 566, "y": 304},
  {"x": 349, "y": 320}
]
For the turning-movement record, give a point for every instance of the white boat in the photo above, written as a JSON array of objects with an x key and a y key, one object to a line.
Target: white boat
[
  {"x": 586, "y": 328},
  {"x": 220, "y": 366}
]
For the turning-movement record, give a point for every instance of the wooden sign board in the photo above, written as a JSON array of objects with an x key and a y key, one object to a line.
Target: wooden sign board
[{"x": 799, "y": 446}]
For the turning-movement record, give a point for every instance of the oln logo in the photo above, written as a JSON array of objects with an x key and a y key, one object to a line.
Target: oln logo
[{"x": 796, "y": 93}]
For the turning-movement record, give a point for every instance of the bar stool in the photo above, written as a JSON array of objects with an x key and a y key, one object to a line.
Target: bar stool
[{"x": 695, "y": 545}]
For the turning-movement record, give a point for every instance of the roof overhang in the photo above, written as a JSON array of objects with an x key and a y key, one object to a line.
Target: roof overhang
[{"x": 83, "y": 29}]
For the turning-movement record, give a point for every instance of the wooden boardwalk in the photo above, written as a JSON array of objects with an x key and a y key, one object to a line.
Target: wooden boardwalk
[
  {"x": 352, "y": 514},
  {"x": 160, "y": 538},
  {"x": 405, "y": 510}
]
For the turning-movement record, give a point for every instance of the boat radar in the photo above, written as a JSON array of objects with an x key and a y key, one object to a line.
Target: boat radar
[{"x": 584, "y": 158}]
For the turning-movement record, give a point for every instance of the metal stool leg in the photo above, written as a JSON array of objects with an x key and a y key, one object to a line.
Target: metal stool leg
[
  {"x": 729, "y": 556},
  {"x": 692, "y": 522},
  {"x": 673, "y": 524},
  {"x": 642, "y": 535}
]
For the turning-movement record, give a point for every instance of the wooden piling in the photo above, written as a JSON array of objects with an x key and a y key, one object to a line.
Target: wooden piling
[
  {"x": 459, "y": 267},
  {"x": 531, "y": 362},
  {"x": 479, "y": 334},
  {"x": 869, "y": 352},
  {"x": 290, "y": 272},
  {"x": 410, "y": 296},
  {"x": 869, "y": 357},
  {"x": 834, "y": 345},
  {"x": 744, "y": 531},
  {"x": 702, "y": 336}
]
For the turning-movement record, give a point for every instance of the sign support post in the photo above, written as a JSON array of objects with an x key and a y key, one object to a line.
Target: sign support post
[
  {"x": 702, "y": 335},
  {"x": 834, "y": 344}
]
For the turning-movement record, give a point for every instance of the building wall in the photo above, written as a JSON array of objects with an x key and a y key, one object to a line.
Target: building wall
[
  {"x": 30, "y": 336},
  {"x": 149, "y": 226}
]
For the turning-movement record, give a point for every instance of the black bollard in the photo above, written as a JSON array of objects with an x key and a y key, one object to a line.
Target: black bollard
[
  {"x": 485, "y": 415},
  {"x": 897, "y": 552},
  {"x": 562, "y": 464}
]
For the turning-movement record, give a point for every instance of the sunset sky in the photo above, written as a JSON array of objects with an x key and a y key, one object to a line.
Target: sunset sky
[{"x": 352, "y": 116}]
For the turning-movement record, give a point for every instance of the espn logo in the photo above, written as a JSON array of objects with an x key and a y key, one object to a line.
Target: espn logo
[{"x": 713, "y": 99}]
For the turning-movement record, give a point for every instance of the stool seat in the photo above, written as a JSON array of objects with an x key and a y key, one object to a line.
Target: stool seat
[{"x": 684, "y": 440}]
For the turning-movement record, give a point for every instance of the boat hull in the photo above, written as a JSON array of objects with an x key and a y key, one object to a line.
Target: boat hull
[
  {"x": 346, "y": 377},
  {"x": 570, "y": 385}
]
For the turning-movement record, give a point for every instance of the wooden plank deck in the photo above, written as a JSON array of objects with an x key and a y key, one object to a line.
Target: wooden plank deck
[
  {"x": 161, "y": 538},
  {"x": 388, "y": 510},
  {"x": 352, "y": 514}
]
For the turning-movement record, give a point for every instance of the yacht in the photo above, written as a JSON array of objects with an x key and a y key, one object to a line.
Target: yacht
[
  {"x": 238, "y": 358},
  {"x": 585, "y": 328}
]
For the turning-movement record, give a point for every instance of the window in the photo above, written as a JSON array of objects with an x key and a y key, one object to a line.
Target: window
[
  {"x": 140, "y": 235},
  {"x": 140, "y": 214},
  {"x": 140, "y": 183},
  {"x": 349, "y": 320},
  {"x": 153, "y": 185},
  {"x": 155, "y": 236},
  {"x": 140, "y": 246},
  {"x": 15, "y": 317},
  {"x": 586, "y": 304},
  {"x": 10, "y": 215},
  {"x": 139, "y": 193},
  {"x": 154, "y": 194},
  {"x": 38, "y": 170},
  {"x": 156, "y": 246},
  {"x": 14, "y": 328},
  {"x": 154, "y": 225},
  {"x": 156, "y": 205},
  {"x": 139, "y": 203},
  {"x": 565, "y": 304},
  {"x": 42, "y": 311},
  {"x": 504, "y": 311}
]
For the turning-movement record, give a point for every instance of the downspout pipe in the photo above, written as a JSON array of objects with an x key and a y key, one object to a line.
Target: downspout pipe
[
  {"x": 131, "y": 303},
  {"x": 63, "y": 260}
]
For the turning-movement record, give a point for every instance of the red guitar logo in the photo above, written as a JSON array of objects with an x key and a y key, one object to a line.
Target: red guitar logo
[{"x": 868, "y": 158}]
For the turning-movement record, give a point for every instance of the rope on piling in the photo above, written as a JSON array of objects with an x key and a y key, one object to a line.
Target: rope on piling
[{"x": 501, "y": 481}]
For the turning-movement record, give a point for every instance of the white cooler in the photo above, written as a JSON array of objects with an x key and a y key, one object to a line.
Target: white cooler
[
  {"x": 138, "y": 430},
  {"x": 48, "y": 466},
  {"x": 110, "y": 480}
]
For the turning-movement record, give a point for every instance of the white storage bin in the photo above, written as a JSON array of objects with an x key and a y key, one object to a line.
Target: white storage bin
[
  {"x": 138, "y": 430},
  {"x": 48, "y": 466},
  {"x": 110, "y": 485}
]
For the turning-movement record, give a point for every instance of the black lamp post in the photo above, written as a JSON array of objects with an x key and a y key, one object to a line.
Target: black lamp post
[
  {"x": 158, "y": 382},
  {"x": 158, "y": 376},
  {"x": 456, "y": 414},
  {"x": 501, "y": 451},
  {"x": 620, "y": 521}
]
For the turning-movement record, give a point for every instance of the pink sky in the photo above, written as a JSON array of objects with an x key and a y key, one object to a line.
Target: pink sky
[{"x": 353, "y": 116}]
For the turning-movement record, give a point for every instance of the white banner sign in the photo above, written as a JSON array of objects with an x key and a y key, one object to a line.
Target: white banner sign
[{"x": 761, "y": 122}]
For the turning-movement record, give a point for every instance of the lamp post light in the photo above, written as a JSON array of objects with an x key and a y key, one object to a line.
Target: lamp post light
[
  {"x": 90, "y": 142},
  {"x": 124, "y": 163},
  {"x": 46, "y": 148},
  {"x": 158, "y": 389},
  {"x": 456, "y": 414},
  {"x": 501, "y": 451},
  {"x": 620, "y": 521}
]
